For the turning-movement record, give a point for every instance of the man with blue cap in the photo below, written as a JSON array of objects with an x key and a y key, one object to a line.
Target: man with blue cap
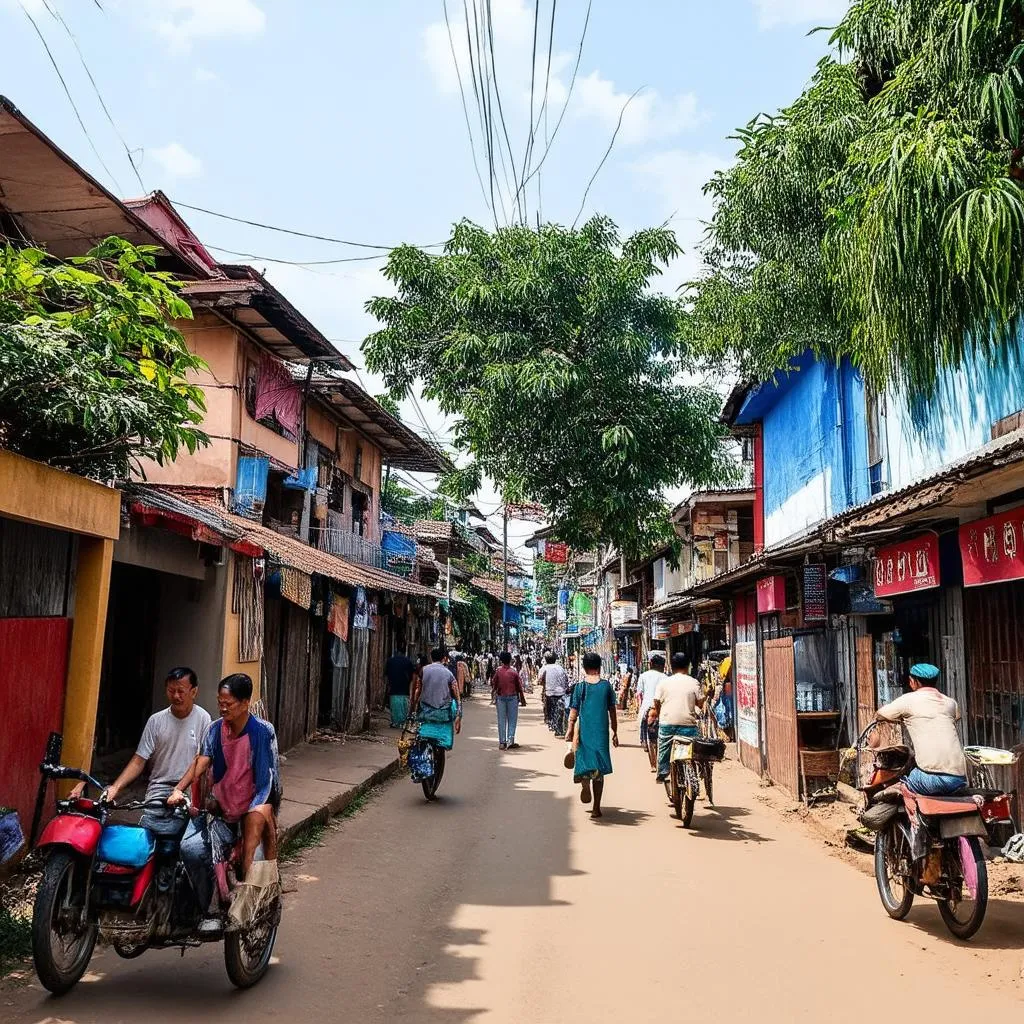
[{"x": 930, "y": 718}]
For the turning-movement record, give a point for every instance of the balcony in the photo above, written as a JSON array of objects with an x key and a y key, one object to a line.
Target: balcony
[{"x": 348, "y": 545}]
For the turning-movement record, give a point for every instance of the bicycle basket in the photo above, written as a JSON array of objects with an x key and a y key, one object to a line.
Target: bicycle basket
[{"x": 878, "y": 767}]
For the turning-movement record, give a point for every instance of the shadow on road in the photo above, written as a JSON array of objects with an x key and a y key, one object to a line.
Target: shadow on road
[
  {"x": 717, "y": 823},
  {"x": 1000, "y": 930},
  {"x": 621, "y": 816}
]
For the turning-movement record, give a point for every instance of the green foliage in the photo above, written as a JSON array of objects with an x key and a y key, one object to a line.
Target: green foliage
[
  {"x": 405, "y": 504},
  {"x": 546, "y": 582},
  {"x": 92, "y": 373},
  {"x": 471, "y": 620},
  {"x": 880, "y": 216},
  {"x": 562, "y": 367}
]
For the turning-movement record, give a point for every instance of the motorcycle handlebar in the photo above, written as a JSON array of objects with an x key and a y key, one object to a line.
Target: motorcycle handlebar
[{"x": 60, "y": 771}]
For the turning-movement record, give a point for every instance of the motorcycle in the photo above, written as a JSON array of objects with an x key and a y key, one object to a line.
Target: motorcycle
[
  {"x": 927, "y": 846},
  {"x": 128, "y": 884},
  {"x": 691, "y": 762}
]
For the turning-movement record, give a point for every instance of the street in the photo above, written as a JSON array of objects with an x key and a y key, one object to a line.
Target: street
[{"x": 504, "y": 902}]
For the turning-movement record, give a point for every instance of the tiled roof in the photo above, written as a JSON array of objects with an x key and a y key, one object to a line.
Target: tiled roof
[
  {"x": 495, "y": 588},
  {"x": 432, "y": 529},
  {"x": 289, "y": 551}
]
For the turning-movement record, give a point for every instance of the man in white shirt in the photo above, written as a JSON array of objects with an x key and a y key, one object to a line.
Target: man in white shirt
[
  {"x": 555, "y": 682},
  {"x": 170, "y": 741},
  {"x": 930, "y": 718},
  {"x": 646, "y": 686},
  {"x": 675, "y": 705}
]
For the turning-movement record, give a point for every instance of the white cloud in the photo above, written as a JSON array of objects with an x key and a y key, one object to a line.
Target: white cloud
[
  {"x": 797, "y": 12},
  {"x": 648, "y": 116},
  {"x": 513, "y": 31},
  {"x": 176, "y": 160},
  {"x": 182, "y": 22},
  {"x": 204, "y": 76},
  {"x": 677, "y": 178}
]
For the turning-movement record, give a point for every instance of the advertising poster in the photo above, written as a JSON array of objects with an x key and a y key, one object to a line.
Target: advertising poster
[{"x": 746, "y": 694}]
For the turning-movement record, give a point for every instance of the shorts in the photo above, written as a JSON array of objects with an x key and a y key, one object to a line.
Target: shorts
[{"x": 648, "y": 733}]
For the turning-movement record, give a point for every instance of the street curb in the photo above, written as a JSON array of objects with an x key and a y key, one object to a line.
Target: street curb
[{"x": 337, "y": 805}]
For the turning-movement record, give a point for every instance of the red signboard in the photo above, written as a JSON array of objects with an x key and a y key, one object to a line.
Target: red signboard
[
  {"x": 771, "y": 594},
  {"x": 908, "y": 566},
  {"x": 556, "y": 552},
  {"x": 993, "y": 549}
]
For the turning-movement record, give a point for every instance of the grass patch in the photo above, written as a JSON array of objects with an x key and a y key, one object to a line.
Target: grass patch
[
  {"x": 297, "y": 845},
  {"x": 357, "y": 804},
  {"x": 15, "y": 940}
]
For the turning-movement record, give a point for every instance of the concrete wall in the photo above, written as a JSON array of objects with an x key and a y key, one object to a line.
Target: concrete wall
[
  {"x": 161, "y": 550},
  {"x": 191, "y": 632}
]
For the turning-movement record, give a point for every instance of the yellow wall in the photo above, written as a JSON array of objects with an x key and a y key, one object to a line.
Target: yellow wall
[{"x": 34, "y": 493}]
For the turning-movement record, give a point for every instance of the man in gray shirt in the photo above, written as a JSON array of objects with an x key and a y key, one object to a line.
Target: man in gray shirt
[
  {"x": 436, "y": 686},
  {"x": 170, "y": 741}
]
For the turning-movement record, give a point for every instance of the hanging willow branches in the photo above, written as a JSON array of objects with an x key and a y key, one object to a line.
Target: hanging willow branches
[{"x": 881, "y": 215}]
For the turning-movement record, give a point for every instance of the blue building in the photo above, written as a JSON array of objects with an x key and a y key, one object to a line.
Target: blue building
[{"x": 887, "y": 531}]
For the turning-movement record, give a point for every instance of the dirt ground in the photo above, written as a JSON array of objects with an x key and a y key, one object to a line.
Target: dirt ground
[{"x": 504, "y": 902}]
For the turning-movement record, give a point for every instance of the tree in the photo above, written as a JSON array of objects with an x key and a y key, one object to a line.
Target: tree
[
  {"x": 92, "y": 372},
  {"x": 564, "y": 371},
  {"x": 880, "y": 216}
]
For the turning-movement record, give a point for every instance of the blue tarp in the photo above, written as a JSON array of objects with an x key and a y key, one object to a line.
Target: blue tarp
[
  {"x": 251, "y": 485},
  {"x": 398, "y": 544},
  {"x": 303, "y": 480}
]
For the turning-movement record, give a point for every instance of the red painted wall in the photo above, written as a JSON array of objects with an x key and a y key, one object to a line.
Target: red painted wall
[
  {"x": 33, "y": 674},
  {"x": 759, "y": 489}
]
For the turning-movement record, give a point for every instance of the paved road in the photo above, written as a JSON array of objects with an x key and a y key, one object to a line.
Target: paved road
[{"x": 504, "y": 902}]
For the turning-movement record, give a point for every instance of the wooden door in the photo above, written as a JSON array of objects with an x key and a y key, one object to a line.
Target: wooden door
[
  {"x": 780, "y": 714},
  {"x": 293, "y": 693},
  {"x": 866, "y": 699}
]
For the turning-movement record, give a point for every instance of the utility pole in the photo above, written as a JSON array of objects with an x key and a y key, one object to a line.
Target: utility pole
[{"x": 504, "y": 566}]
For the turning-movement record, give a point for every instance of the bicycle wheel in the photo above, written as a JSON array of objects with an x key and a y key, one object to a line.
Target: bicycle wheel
[
  {"x": 705, "y": 776},
  {"x": 968, "y": 872}
]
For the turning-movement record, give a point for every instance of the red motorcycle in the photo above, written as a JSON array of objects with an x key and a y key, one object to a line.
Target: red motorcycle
[{"x": 129, "y": 884}]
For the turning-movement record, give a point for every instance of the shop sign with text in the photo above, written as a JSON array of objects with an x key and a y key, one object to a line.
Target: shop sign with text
[
  {"x": 624, "y": 611},
  {"x": 993, "y": 549},
  {"x": 556, "y": 553},
  {"x": 908, "y": 566}
]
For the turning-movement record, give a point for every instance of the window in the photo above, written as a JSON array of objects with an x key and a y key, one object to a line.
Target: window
[
  {"x": 357, "y": 470},
  {"x": 659, "y": 579},
  {"x": 875, "y": 415}
]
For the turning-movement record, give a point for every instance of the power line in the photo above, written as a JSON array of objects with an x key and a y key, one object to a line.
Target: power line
[
  {"x": 615, "y": 135},
  {"x": 292, "y": 231},
  {"x": 297, "y": 263},
  {"x": 67, "y": 92},
  {"x": 55, "y": 13}
]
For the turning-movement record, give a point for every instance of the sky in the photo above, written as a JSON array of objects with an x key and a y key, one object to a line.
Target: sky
[{"x": 344, "y": 119}]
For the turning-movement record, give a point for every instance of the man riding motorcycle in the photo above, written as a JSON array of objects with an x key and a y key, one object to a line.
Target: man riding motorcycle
[
  {"x": 242, "y": 751},
  {"x": 930, "y": 718}
]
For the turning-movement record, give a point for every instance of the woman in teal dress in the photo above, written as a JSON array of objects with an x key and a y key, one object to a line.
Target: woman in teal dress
[{"x": 593, "y": 706}]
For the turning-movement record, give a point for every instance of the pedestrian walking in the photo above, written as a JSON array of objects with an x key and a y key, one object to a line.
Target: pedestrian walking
[
  {"x": 509, "y": 695},
  {"x": 646, "y": 687},
  {"x": 399, "y": 670},
  {"x": 676, "y": 701},
  {"x": 554, "y": 680},
  {"x": 593, "y": 707}
]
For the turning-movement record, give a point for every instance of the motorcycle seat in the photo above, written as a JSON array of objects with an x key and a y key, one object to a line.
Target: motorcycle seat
[{"x": 946, "y": 806}]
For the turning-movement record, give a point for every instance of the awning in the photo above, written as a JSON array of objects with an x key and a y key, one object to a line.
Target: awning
[{"x": 204, "y": 514}]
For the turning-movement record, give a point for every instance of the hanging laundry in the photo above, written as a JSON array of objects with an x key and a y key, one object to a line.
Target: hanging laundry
[
  {"x": 278, "y": 395},
  {"x": 337, "y": 619},
  {"x": 296, "y": 586}
]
